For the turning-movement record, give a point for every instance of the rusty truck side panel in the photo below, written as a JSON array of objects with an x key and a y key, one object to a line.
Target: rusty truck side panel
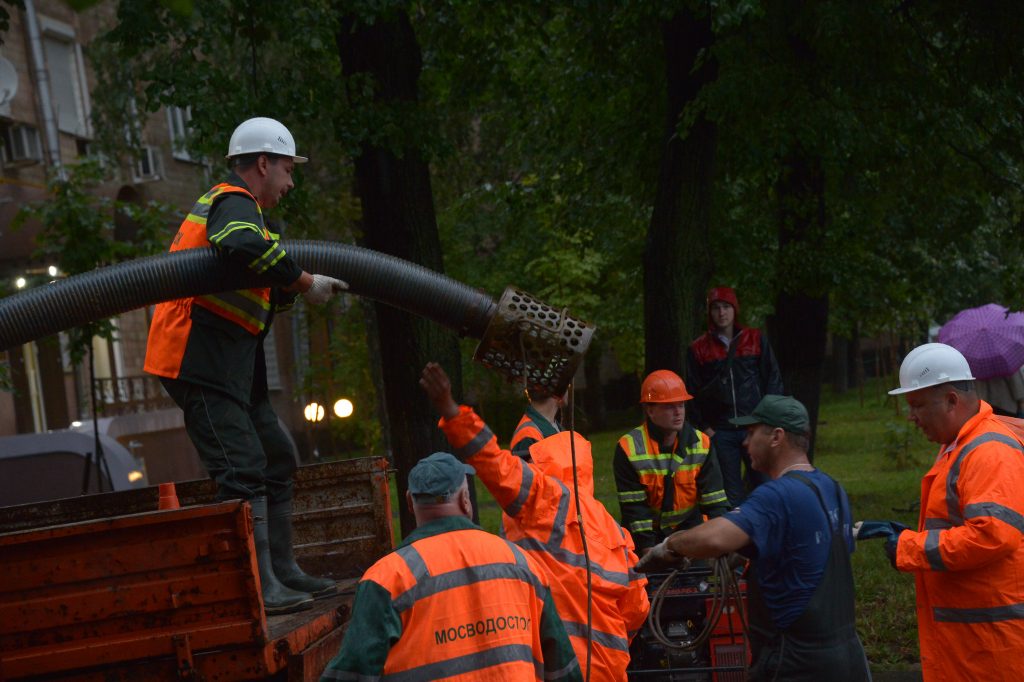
[
  {"x": 341, "y": 515},
  {"x": 120, "y": 589},
  {"x": 103, "y": 587}
]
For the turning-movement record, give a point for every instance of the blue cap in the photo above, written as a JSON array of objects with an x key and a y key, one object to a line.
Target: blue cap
[{"x": 438, "y": 475}]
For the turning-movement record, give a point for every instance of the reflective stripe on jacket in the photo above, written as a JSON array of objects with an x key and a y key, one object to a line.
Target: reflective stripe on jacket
[
  {"x": 968, "y": 556},
  {"x": 250, "y": 309},
  {"x": 525, "y": 435},
  {"x": 532, "y": 427},
  {"x": 653, "y": 466},
  {"x": 470, "y": 606},
  {"x": 538, "y": 499}
]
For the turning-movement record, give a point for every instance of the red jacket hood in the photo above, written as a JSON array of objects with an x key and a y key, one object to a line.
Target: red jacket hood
[{"x": 728, "y": 295}]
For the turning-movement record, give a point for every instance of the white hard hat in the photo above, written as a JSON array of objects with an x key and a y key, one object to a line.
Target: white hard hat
[
  {"x": 930, "y": 365},
  {"x": 263, "y": 135}
]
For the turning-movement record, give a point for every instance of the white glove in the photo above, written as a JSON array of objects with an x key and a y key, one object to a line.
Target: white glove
[
  {"x": 659, "y": 558},
  {"x": 323, "y": 289}
]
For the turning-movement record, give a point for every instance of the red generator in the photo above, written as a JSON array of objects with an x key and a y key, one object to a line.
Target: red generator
[{"x": 687, "y": 603}]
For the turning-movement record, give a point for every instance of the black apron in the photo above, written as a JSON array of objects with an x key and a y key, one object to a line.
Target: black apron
[{"x": 822, "y": 644}]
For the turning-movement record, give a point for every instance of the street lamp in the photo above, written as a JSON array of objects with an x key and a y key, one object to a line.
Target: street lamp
[
  {"x": 343, "y": 408},
  {"x": 314, "y": 412}
]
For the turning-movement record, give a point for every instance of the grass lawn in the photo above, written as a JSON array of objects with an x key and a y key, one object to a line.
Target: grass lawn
[{"x": 879, "y": 458}]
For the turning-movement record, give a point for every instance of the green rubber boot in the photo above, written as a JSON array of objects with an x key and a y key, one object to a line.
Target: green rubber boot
[
  {"x": 283, "y": 555},
  {"x": 277, "y": 597}
]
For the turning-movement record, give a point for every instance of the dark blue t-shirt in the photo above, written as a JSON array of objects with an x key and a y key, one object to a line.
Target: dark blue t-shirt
[{"x": 790, "y": 538}]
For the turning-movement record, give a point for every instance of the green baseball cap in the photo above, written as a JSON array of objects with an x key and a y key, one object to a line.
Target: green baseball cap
[
  {"x": 438, "y": 475},
  {"x": 782, "y": 411}
]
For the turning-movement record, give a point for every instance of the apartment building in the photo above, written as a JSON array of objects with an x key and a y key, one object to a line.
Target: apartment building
[{"x": 46, "y": 92}]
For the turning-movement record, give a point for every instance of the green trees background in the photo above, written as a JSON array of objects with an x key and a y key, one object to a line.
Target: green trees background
[{"x": 853, "y": 169}]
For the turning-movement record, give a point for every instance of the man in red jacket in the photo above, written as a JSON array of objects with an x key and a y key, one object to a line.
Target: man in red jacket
[{"x": 729, "y": 368}]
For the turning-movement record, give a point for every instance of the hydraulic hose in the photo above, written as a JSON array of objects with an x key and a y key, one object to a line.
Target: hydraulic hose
[
  {"x": 109, "y": 291},
  {"x": 726, "y": 588}
]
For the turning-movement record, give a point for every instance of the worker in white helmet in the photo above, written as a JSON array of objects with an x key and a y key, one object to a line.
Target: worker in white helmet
[
  {"x": 967, "y": 554},
  {"x": 208, "y": 352}
]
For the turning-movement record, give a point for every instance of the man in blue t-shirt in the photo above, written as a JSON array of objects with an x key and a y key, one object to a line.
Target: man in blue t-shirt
[{"x": 796, "y": 529}]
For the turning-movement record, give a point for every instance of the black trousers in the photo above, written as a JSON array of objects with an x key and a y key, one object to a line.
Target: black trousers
[{"x": 242, "y": 447}]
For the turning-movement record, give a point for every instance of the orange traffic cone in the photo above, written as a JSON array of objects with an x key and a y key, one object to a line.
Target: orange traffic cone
[{"x": 168, "y": 497}]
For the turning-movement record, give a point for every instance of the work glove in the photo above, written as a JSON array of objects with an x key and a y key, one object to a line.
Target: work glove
[
  {"x": 660, "y": 558},
  {"x": 869, "y": 530},
  {"x": 890, "y": 530},
  {"x": 323, "y": 289}
]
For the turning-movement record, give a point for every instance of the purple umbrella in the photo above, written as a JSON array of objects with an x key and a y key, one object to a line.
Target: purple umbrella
[{"x": 990, "y": 337}]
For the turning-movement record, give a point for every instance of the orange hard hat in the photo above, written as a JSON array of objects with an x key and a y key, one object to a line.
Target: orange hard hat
[{"x": 663, "y": 386}]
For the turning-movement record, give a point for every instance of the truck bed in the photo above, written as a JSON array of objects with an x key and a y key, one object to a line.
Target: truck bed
[{"x": 104, "y": 587}]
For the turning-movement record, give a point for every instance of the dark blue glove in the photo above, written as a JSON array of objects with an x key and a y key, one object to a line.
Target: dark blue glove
[
  {"x": 869, "y": 530},
  {"x": 890, "y": 530},
  {"x": 890, "y": 548}
]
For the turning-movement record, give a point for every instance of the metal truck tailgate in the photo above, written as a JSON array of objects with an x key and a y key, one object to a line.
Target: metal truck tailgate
[{"x": 130, "y": 587}]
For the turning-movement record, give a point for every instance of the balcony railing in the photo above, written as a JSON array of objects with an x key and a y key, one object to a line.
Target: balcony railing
[{"x": 128, "y": 395}]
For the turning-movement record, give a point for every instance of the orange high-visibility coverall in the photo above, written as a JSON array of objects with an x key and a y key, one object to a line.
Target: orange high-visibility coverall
[
  {"x": 539, "y": 500},
  {"x": 968, "y": 556}
]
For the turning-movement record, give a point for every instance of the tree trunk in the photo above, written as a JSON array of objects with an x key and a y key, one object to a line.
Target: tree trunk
[
  {"x": 677, "y": 262},
  {"x": 857, "y": 359},
  {"x": 801, "y": 313},
  {"x": 840, "y": 364},
  {"x": 398, "y": 219}
]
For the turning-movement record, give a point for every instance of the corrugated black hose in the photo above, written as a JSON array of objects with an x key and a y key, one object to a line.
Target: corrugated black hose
[{"x": 109, "y": 291}]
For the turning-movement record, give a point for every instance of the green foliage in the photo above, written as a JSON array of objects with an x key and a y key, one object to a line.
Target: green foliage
[
  {"x": 899, "y": 106},
  {"x": 550, "y": 185},
  {"x": 228, "y": 62},
  {"x": 343, "y": 371},
  {"x": 545, "y": 122},
  {"x": 78, "y": 232},
  {"x": 898, "y": 437},
  {"x": 922, "y": 183}
]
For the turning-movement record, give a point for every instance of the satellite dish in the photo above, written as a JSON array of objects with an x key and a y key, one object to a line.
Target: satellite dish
[{"x": 8, "y": 81}]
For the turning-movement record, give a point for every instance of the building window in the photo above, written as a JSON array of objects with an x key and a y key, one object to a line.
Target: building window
[
  {"x": 21, "y": 145},
  {"x": 66, "y": 69},
  {"x": 149, "y": 166},
  {"x": 178, "y": 120}
]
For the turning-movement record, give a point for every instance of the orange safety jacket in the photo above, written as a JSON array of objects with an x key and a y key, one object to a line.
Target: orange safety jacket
[
  {"x": 250, "y": 309},
  {"x": 968, "y": 556},
  {"x": 539, "y": 500},
  {"x": 653, "y": 467},
  {"x": 470, "y": 605},
  {"x": 532, "y": 427},
  {"x": 525, "y": 429}
]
